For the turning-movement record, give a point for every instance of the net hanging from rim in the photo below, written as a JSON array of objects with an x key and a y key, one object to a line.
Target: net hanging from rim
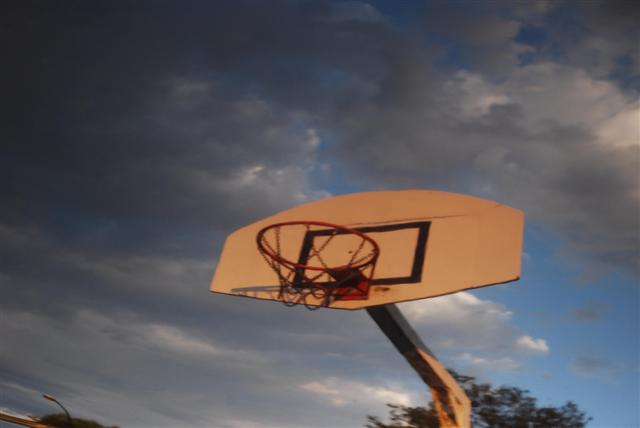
[{"x": 335, "y": 262}]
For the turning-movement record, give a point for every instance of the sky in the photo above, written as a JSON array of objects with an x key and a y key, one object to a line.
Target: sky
[{"x": 137, "y": 135}]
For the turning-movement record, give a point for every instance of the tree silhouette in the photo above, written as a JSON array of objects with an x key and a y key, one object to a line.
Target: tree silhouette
[
  {"x": 503, "y": 407},
  {"x": 59, "y": 420}
]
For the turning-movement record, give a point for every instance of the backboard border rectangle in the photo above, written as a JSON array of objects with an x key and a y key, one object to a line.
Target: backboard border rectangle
[{"x": 419, "y": 252}]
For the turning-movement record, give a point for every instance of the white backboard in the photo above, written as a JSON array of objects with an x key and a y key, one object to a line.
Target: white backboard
[{"x": 431, "y": 243}]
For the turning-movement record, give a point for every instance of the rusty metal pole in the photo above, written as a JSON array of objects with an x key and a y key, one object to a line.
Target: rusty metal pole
[{"x": 451, "y": 403}]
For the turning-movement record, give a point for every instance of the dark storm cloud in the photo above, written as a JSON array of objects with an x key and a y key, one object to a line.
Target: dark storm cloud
[
  {"x": 590, "y": 366},
  {"x": 556, "y": 173},
  {"x": 136, "y": 136},
  {"x": 142, "y": 105},
  {"x": 407, "y": 138},
  {"x": 109, "y": 121},
  {"x": 600, "y": 36},
  {"x": 133, "y": 140},
  {"x": 591, "y": 312},
  {"x": 112, "y": 118},
  {"x": 479, "y": 39}
]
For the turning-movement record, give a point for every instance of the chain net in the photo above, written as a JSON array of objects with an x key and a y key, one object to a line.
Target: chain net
[{"x": 335, "y": 262}]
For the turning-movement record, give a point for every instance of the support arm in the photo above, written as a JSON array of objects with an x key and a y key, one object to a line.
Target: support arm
[{"x": 451, "y": 403}]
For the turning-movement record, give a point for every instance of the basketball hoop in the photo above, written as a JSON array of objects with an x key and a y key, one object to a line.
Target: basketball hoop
[{"x": 312, "y": 277}]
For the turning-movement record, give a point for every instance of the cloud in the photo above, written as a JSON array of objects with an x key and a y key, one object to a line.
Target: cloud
[
  {"x": 486, "y": 40},
  {"x": 125, "y": 166},
  {"x": 590, "y": 366},
  {"x": 15, "y": 414},
  {"x": 594, "y": 36},
  {"x": 341, "y": 393},
  {"x": 477, "y": 363},
  {"x": 352, "y": 10},
  {"x": 243, "y": 423},
  {"x": 462, "y": 320},
  {"x": 38, "y": 271},
  {"x": 528, "y": 343},
  {"x": 135, "y": 361},
  {"x": 599, "y": 37},
  {"x": 173, "y": 339},
  {"x": 544, "y": 139},
  {"x": 189, "y": 155},
  {"x": 476, "y": 333},
  {"x": 590, "y": 312}
]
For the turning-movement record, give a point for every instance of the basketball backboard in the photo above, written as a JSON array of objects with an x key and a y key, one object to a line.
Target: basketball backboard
[{"x": 429, "y": 243}]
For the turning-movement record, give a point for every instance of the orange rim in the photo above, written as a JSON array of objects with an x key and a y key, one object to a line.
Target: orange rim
[{"x": 274, "y": 256}]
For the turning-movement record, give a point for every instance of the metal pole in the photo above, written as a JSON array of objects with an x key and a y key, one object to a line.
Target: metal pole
[
  {"x": 451, "y": 403},
  {"x": 51, "y": 398}
]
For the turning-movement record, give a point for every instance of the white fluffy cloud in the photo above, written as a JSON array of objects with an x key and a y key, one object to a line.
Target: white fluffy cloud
[
  {"x": 341, "y": 392},
  {"x": 528, "y": 343},
  {"x": 474, "y": 332},
  {"x": 478, "y": 363},
  {"x": 462, "y": 320}
]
